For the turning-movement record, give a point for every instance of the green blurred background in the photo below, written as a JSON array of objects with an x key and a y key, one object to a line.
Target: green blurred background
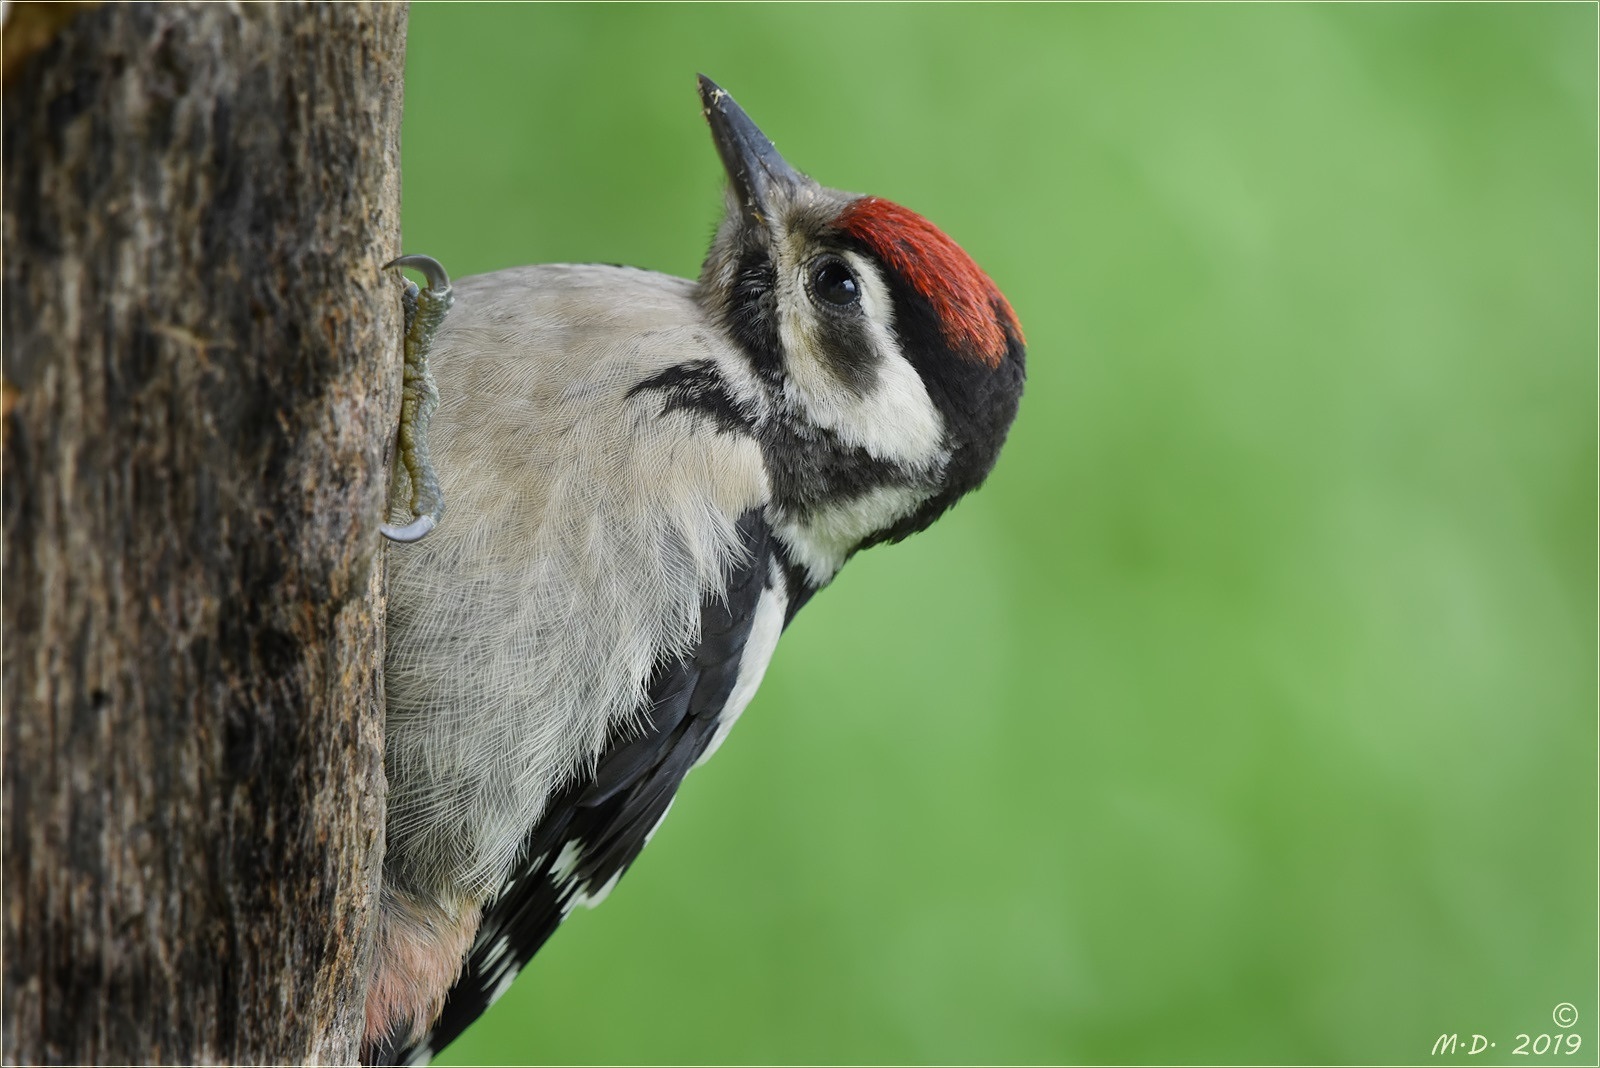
[{"x": 1248, "y": 713}]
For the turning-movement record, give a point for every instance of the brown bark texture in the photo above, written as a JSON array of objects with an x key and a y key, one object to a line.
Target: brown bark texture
[{"x": 201, "y": 361}]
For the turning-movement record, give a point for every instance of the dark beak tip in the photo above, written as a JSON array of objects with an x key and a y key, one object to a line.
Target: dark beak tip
[
  {"x": 754, "y": 165},
  {"x": 710, "y": 91}
]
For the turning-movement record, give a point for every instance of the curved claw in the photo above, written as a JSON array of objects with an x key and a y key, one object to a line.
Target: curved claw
[
  {"x": 430, "y": 268},
  {"x": 419, "y": 398},
  {"x": 412, "y": 531}
]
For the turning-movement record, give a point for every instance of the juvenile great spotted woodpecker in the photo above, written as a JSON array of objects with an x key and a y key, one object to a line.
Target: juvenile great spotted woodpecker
[{"x": 647, "y": 477}]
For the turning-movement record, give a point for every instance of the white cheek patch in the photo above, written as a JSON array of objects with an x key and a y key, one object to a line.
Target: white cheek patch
[{"x": 895, "y": 419}]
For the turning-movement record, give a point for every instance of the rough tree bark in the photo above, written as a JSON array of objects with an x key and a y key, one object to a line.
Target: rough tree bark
[{"x": 201, "y": 359}]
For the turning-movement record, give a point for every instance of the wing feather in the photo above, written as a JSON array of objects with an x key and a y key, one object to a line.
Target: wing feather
[{"x": 593, "y": 830}]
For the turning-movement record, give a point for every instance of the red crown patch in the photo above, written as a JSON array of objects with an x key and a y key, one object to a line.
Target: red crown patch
[{"x": 971, "y": 308}]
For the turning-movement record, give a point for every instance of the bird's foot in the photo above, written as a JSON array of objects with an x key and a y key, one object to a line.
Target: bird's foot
[{"x": 414, "y": 477}]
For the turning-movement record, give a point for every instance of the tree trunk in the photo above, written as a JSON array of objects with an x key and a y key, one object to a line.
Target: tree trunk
[{"x": 201, "y": 358}]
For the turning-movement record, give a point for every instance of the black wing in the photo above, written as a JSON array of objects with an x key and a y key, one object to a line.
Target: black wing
[{"x": 592, "y": 831}]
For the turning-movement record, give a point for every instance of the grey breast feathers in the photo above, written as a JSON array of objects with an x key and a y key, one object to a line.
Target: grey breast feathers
[{"x": 585, "y": 521}]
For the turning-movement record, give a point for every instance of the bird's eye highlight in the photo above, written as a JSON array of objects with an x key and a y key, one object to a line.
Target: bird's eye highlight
[{"x": 834, "y": 284}]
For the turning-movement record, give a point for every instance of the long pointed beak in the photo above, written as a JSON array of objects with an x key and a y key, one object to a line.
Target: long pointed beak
[{"x": 754, "y": 166}]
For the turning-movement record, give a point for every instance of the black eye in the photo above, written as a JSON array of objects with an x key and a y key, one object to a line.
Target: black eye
[{"x": 833, "y": 283}]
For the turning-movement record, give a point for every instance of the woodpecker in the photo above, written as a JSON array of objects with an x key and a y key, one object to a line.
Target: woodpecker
[{"x": 647, "y": 477}]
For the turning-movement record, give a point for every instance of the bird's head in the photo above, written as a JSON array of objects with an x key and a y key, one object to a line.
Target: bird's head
[{"x": 896, "y": 361}]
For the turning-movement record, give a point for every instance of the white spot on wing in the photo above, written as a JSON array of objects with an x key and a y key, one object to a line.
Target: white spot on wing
[
  {"x": 758, "y": 647},
  {"x": 503, "y": 985},
  {"x": 651, "y": 833},
  {"x": 501, "y": 947},
  {"x": 590, "y": 900},
  {"x": 566, "y": 865}
]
